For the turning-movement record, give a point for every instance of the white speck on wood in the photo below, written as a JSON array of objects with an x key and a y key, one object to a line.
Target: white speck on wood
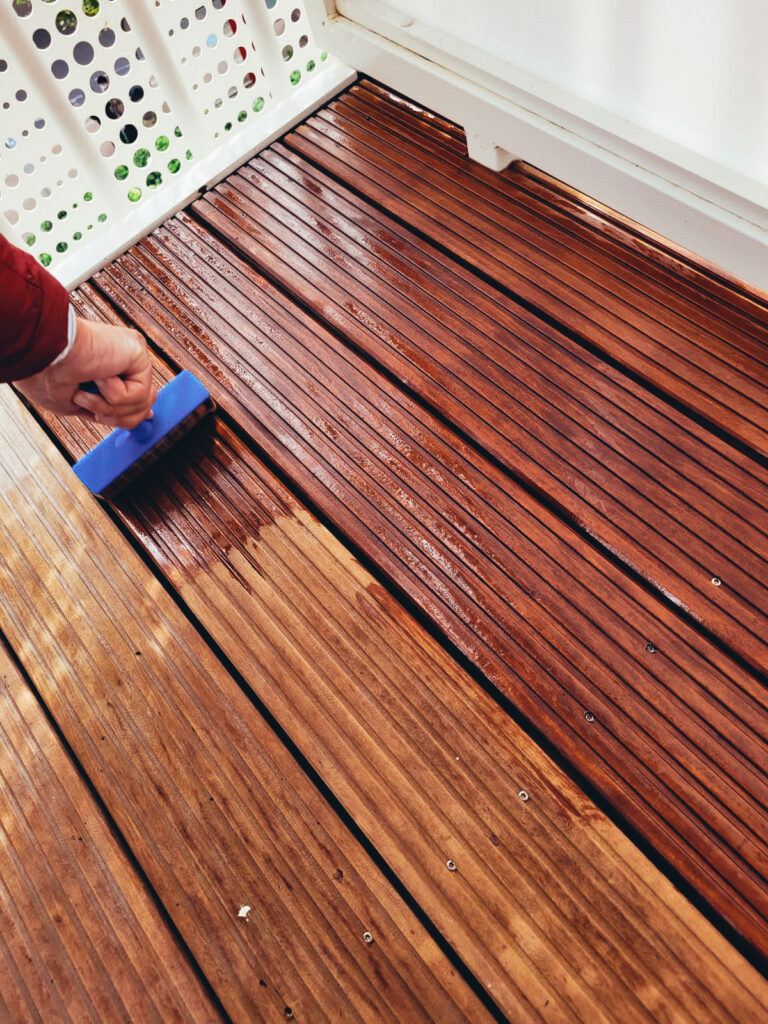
[{"x": 244, "y": 911}]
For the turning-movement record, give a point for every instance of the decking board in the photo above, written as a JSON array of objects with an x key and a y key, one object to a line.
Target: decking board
[
  {"x": 215, "y": 809},
  {"x": 636, "y": 480},
  {"x": 678, "y": 740},
  {"x": 81, "y": 938},
  {"x": 449, "y": 200},
  {"x": 551, "y": 908}
]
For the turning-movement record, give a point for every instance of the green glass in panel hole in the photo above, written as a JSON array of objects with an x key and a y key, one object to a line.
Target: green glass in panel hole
[
  {"x": 45, "y": 259},
  {"x": 61, "y": 247},
  {"x": 310, "y": 65},
  {"x": 134, "y": 194},
  {"x": 258, "y": 104},
  {"x": 177, "y": 132},
  {"x": 154, "y": 179},
  {"x": 101, "y": 218},
  {"x": 30, "y": 239},
  {"x": 295, "y": 77},
  {"x": 90, "y": 8},
  {"x": 88, "y": 197},
  {"x": 77, "y": 236},
  {"x": 46, "y": 225},
  {"x": 121, "y": 172},
  {"x": 141, "y": 157},
  {"x": 188, "y": 154},
  {"x": 242, "y": 116},
  {"x": 174, "y": 165},
  {"x": 228, "y": 126},
  {"x": 163, "y": 142},
  {"x": 61, "y": 214}
]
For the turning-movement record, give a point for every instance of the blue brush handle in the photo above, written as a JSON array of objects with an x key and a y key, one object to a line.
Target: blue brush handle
[{"x": 140, "y": 433}]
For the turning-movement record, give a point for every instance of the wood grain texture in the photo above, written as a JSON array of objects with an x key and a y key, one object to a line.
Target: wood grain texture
[
  {"x": 676, "y": 730},
  {"x": 643, "y": 480},
  {"x": 81, "y": 938},
  {"x": 713, "y": 365},
  {"x": 553, "y": 910},
  {"x": 217, "y": 812}
]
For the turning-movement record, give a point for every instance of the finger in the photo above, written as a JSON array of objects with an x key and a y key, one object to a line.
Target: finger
[{"x": 124, "y": 392}]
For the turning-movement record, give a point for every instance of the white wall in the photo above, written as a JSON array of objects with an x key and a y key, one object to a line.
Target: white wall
[{"x": 693, "y": 71}]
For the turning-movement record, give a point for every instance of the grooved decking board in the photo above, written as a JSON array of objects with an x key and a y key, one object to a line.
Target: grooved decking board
[
  {"x": 80, "y": 936},
  {"x": 215, "y": 809},
  {"x": 678, "y": 740},
  {"x": 645, "y": 481},
  {"x": 714, "y": 365},
  {"x": 553, "y": 910}
]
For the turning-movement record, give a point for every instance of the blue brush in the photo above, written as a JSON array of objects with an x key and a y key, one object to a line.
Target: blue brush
[{"x": 124, "y": 454}]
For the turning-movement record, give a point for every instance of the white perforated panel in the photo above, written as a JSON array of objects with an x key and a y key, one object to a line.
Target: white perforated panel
[{"x": 114, "y": 113}]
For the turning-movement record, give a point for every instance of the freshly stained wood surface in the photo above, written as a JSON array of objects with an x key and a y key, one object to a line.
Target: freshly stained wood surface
[
  {"x": 80, "y": 939},
  {"x": 553, "y": 910},
  {"x": 643, "y": 480},
  {"x": 669, "y": 727},
  {"x": 219, "y": 815},
  {"x": 597, "y": 283}
]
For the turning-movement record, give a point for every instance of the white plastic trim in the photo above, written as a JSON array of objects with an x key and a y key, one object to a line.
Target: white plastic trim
[
  {"x": 703, "y": 207},
  {"x": 116, "y": 113}
]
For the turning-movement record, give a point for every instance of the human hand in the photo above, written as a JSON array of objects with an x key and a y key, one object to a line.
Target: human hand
[{"x": 116, "y": 359}]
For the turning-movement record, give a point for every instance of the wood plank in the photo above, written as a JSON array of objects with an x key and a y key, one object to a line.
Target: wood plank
[
  {"x": 81, "y": 938},
  {"x": 550, "y": 906},
  {"x": 636, "y": 477},
  {"x": 216, "y": 810},
  {"x": 675, "y": 731},
  {"x": 451, "y": 200}
]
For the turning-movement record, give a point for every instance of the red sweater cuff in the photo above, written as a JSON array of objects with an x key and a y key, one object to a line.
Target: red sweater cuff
[{"x": 34, "y": 310}]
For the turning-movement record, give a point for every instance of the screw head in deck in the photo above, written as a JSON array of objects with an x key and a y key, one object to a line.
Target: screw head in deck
[
  {"x": 450, "y": 865},
  {"x": 716, "y": 581},
  {"x": 524, "y": 796},
  {"x": 367, "y": 938},
  {"x": 650, "y": 648},
  {"x": 588, "y": 716}
]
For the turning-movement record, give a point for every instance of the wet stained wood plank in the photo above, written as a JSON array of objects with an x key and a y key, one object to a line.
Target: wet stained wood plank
[
  {"x": 81, "y": 938},
  {"x": 676, "y": 505},
  {"x": 552, "y": 909},
  {"x": 714, "y": 365},
  {"x": 671, "y": 729},
  {"x": 268, "y": 889}
]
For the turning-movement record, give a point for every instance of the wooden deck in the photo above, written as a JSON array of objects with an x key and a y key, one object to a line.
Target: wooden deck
[{"x": 428, "y": 681}]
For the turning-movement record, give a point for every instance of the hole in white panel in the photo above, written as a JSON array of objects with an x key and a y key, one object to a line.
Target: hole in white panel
[
  {"x": 122, "y": 66},
  {"x": 77, "y": 97},
  {"x": 60, "y": 69},
  {"x": 92, "y": 124},
  {"x": 230, "y": 27},
  {"x": 66, "y": 22},
  {"x": 136, "y": 93},
  {"x": 107, "y": 37},
  {"x": 184, "y": 23},
  {"x": 129, "y": 133},
  {"x": 249, "y": 80},
  {"x": 114, "y": 109},
  {"x": 56, "y": 149},
  {"x": 207, "y": 77},
  {"x": 41, "y": 37},
  {"x": 217, "y": 5},
  {"x": 149, "y": 119},
  {"x": 107, "y": 149},
  {"x": 232, "y": 91},
  {"x": 200, "y": 13},
  {"x": 21, "y": 95},
  {"x": 99, "y": 81},
  {"x": 279, "y": 27},
  {"x": 124, "y": 25},
  {"x": 23, "y": 8},
  {"x": 45, "y": 192},
  {"x": 12, "y": 180},
  {"x": 196, "y": 51},
  {"x": 72, "y": 173},
  {"x": 12, "y": 216},
  {"x": 83, "y": 53},
  {"x": 303, "y": 41},
  {"x": 153, "y": 81},
  {"x": 90, "y": 8},
  {"x": 40, "y": 122},
  {"x": 295, "y": 14},
  {"x": 166, "y": 108},
  {"x": 287, "y": 52},
  {"x": 3, "y": 65},
  {"x": 211, "y": 41},
  {"x": 240, "y": 54},
  {"x": 29, "y": 204},
  {"x": 222, "y": 67},
  {"x": 29, "y": 168}
]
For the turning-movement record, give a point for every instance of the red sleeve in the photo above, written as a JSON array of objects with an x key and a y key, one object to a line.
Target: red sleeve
[{"x": 34, "y": 309}]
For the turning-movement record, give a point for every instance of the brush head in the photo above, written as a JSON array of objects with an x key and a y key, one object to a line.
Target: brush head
[{"x": 125, "y": 454}]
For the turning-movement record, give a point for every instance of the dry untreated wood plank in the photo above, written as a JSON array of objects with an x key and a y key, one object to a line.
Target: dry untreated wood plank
[
  {"x": 676, "y": 507},
  {"x": 670, "y": 728},
  {"x": 268, "y": 889},
  {"x": 81, "y": 938},
  {"x": 550, "y": 906},
  {"x": 717, "y": 371}
]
